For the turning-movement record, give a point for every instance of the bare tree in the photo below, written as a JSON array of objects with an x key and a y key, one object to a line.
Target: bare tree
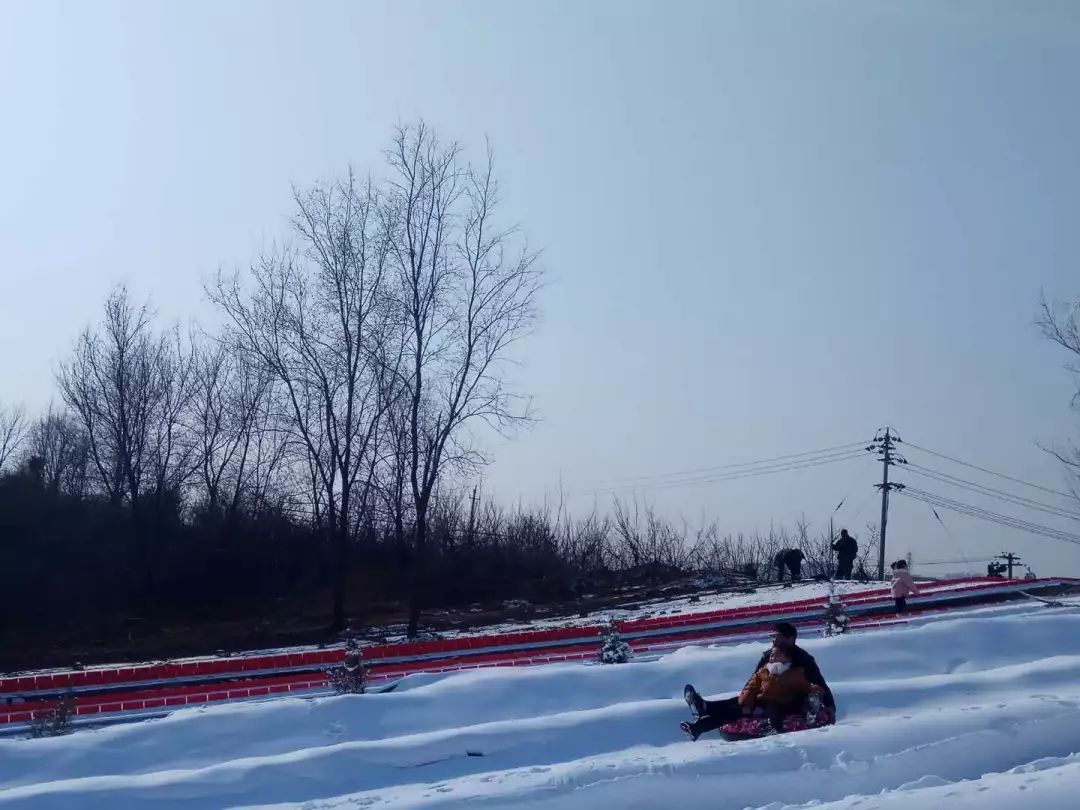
[
  {"x": 59, "y": 444},
  {"x": 586, "y": 543},
  {"x": 466, "y": 287},
  {"x": 129, "y": 387},
  {"x": 234, "y": 429},
  {"x": 647, "y": 539},
  {"x": 1060, "y": 323},
  {"x": 315, "y": 320},
  {"x": 174, "y": 456},
  {"x": 12, "y": 433}
]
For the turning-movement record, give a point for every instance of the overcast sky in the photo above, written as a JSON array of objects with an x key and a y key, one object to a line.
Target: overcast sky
[{"x": 768, "y": 227}]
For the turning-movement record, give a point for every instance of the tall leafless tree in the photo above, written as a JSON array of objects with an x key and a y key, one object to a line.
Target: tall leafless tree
[
  {"x": 130, "y": 386},
  {"x": 12, "y": 432},
  {"x": 467, "y": 289},
  {"x": 316, "y": 320}
]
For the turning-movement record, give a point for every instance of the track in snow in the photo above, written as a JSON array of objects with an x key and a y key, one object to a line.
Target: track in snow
[{"x": 922, "y": 709}]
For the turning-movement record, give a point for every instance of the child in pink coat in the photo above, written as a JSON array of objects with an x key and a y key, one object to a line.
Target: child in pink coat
[{"x": 903, "y": 585}]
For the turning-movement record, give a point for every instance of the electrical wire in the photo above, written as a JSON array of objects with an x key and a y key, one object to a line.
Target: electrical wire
[
  {"x": 991, "y": 517},
  {"x": 734, "y": 476},
  {"x": 990, "y": 472},
  {"x": 744, "y": 464},
  {"x": 985, "y": 514},
  {"x": 738, "y": 474},
  {"x": 991, "y": 492}
]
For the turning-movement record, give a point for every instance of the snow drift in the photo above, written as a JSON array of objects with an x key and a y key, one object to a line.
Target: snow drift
[{"x": 981, "y": 708}]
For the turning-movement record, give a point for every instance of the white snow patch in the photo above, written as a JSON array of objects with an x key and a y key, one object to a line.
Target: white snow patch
[{"x": 980, "y": 711}]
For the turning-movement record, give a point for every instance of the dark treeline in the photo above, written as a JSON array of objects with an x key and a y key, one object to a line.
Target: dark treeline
[
  {"x": 74, "y": 562},
  {"x": 308, "y": 451}
]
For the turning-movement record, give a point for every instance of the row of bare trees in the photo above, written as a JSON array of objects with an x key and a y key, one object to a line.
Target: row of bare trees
[
  {"x": 321, "y": 432},
  {"x": 358, "y": 365},
  {"x": 485, "y": 550},
  {"x": 381, "y": 335}
]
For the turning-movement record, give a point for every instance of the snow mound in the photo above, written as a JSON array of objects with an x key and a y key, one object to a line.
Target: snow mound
[{"x": 982, "y": 710}]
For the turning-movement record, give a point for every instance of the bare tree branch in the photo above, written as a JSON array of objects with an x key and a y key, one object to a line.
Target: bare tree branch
[{"x": 12, "y": 433}]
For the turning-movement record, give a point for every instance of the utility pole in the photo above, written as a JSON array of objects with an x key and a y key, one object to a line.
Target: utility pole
[
  {"x": 1010, "y": 560},
  {"x": 885, "y": 445}
]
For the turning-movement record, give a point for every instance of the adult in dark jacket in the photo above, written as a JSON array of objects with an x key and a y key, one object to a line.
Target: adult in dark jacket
[
  {"x": 846, "y": 551},
  {"x": 792, "y": 558},
  {"x": 711, "y": 714}
]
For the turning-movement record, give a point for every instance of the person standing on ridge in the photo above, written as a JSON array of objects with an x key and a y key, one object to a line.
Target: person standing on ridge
[{"x": 846, "y": 551}]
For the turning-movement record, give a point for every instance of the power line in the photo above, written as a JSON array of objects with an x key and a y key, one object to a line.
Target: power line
[
  {"x": 742, "y": 464},
  {"x": 991, "y": 492},
  {"x": 991, "y": 472},
  {"x": 738, "y": 475},
  {"x": 991, "y": 517}
]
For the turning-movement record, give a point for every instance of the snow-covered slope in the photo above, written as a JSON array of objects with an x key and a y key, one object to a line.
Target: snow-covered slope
[{"x": 979, "y": 710}]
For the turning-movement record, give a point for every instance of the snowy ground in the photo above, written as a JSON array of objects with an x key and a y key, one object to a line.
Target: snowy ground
[
  {"x": 980, "y": 710},
  {"x": 683, "y": 606},
  {"x": 704, "y": 603}
]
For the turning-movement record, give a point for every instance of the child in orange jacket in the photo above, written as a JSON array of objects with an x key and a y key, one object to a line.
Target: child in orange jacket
[{"x": 777, "y": 689}]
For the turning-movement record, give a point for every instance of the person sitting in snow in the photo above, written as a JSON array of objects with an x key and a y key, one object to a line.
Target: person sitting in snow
[
  {"x": 711, "y": 714},
  {"x": 777, "y": 689}
]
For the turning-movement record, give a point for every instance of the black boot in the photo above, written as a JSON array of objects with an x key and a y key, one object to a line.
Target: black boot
[
  {"x": 689, "y": 729},
  {"x": 694, "y": 701}
]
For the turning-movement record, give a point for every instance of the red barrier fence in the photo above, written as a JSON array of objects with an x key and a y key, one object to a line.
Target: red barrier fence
[
  {"x": 311, "y": 659},
  {"x": 148, "y": 687}
]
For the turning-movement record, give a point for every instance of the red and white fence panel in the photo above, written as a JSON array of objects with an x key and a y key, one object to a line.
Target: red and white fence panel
[{"x": 134, "y": 690}]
